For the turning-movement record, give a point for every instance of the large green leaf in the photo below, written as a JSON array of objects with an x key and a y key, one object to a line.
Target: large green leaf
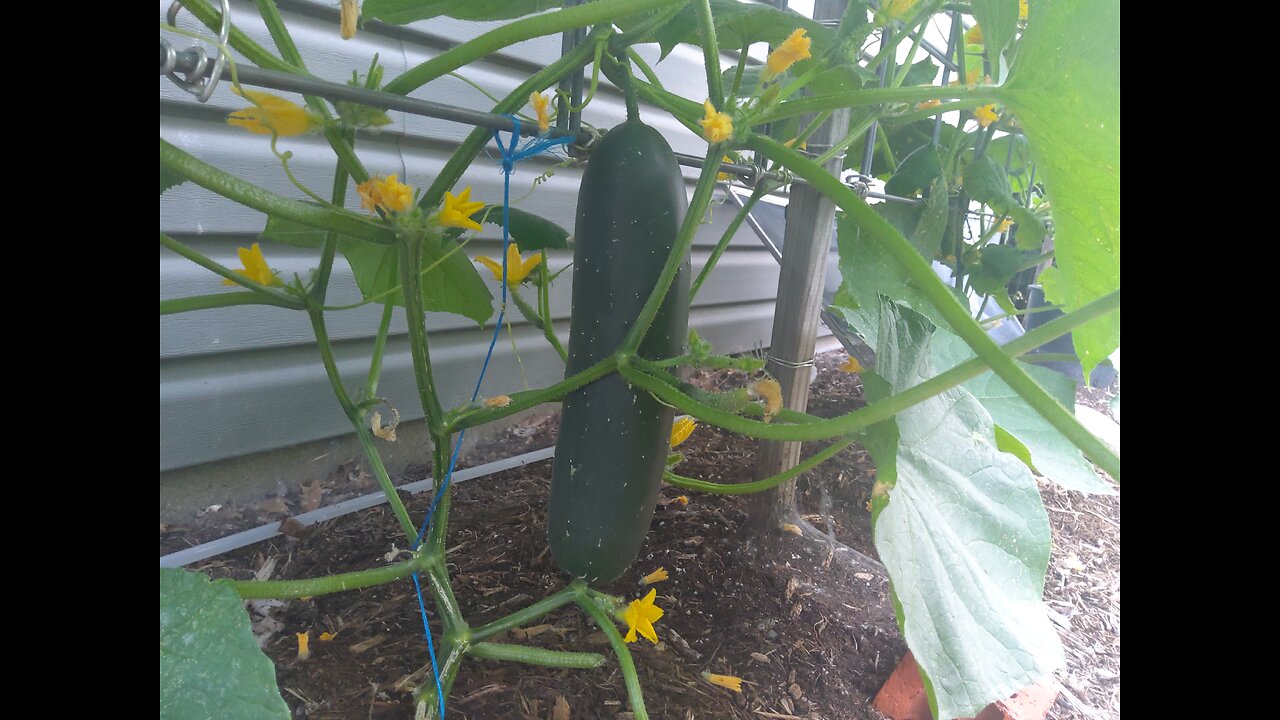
[
  {"x": 452, "y": 285},
  {"x": 988, "y": 183},
  {"x": 1064, "y": 88},
  {"x": 964, "y": 534},
  {"x": 1046, "y": 450},
  {"x": 995, "y": 269},
  {"x": 529, "y": 231},
  {"x": 999, "y": 21},
  {"x": 210, "y": 665}
]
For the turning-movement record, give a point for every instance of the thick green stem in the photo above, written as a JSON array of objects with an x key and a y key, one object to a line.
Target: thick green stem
[
  {"x": 410, "y": 250},
  {"x": 537, "y": 656},
  {"x": 379, "y": 347},
  {"x": 448, "y": 672},
  {"x": 250, "y": 195},
  {"x": 648, "y": 376},
  {"x": 758, "y": 192},
  {"x": 525, "y": 29},
  {"x": 758, "y": 485},
  {"x": 625, "y": 663},
  {"x": 285, "y": 589},
  {"x": 526, "y": 615},
  {"x": 710, "y": 52},
  {"x": 535, "y": 318},
  {"x": 261, "y": 293},
  {"x": 680, "y": 251},
  {"x": 975, "y": 95},
  {"x": 470, "y": 417},
  {"x": 446, "y": 604},
  {"x": 738, "y": 72},
  {"x": 956, "y": 315},
  {"x": 221, "y": 300}
]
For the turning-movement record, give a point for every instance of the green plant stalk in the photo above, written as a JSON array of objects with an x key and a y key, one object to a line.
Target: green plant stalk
[
  {"x": 803, "y": 136},
  {"x": 973, "y": 95},
  {"x": 747, "y": 488},
  {"x": 379, "y": 347},
  {"x": 455, "y": 627},
  {"x": 524, "y": 615},
  {"x": 535, "y": 319},
  {"x": 250, "y": 195},
  {"x": 916, "y": 38},
  {"x": 544, "y": 308},
  {"x": 925, "y": 113},
  {"x": 338, "y": 193},
  {"x": 660, "y": 385},
  {"x": 738, "y": 72},
  {"x": 410, "y": 252},
  {"x": 758, "y": 192},
  {"x": 255, "y": 53},
  {"x": 475, "y": 142},
  {"x": 220, "y": 300},
  {"x": 853, "y": 135},
  {"x": 327, "y": 585},
  {"x": 710, "y": 52},
  {"x": 921, "y": 273},
  {"x": 448, "y": 672},
  {"x": 686, "y": 111},
  {"x": 537, "y": 656},
  {"x": 625, "y": 663},
  {"x": 524, "y": 29},
  {"x": 684, "y": 241},
  {"x": 466, "y": 417},
  {"x": 263, "y": 294}
]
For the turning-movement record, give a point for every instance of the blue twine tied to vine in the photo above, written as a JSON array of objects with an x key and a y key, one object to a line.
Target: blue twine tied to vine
[{"x": 511, "y": 154}]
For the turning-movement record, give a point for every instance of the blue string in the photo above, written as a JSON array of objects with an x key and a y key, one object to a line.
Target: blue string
[{"x": 511, "y": 154}]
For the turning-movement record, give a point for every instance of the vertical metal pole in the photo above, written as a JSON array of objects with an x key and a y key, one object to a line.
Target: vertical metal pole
[
  {"x": 572, "y": 83},
  {"x": 810, "y": 222}
]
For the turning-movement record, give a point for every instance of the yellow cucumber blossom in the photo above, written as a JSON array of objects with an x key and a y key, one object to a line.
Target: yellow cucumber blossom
[
  {"x": 1022, "y": 9},
  {"x": 541, "y": 107},
  {"x": 640, "y": 616},
  {"x": 974, "y": 36},
  {"x": 725, "y": 681},
  {"x": 517, "y": 270},
  {"x": 927, "y": 104},
  {"x": 716, "y": 126},
  {"x": 457, "y": 211},
  {"x": 271, "y": 114},
  {"x": 255, "y": 267},
  {"x": 792, "y": 50},
  {"x": 656, "y": 576},
  {"x": 771, "y": 392},
  {"x": 986, "y": 115},
  {"x": 388, "y": 193},
  {"x": 682, "y": 430},
  {"x": 304, "y": 645},
  {"x": 851, "y": 365},
  {"x": 1005, "y": 225}
]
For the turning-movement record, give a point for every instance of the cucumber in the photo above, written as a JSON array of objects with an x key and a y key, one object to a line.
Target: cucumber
[{"x": 613, "y": 441}]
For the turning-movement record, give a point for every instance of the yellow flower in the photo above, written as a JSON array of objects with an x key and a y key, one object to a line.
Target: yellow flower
[
  {"x": 974, "y": 74},
  {"x": 792, "y": 50},
  {"x": 716, "y": 126},
  {"x": 683, "y": 500},
  {"x": 517, "y": 270},
  {"x": 304, "y": 645},
  {"x": 771, "y": 391},
  {"x": 641, "y": 615},
  {"x": 1005, "y": 225},
  {"x": 724, "y": 176},
  {"x": 387, "y": 432},
  {"x": 327, "y": 636},
  {"x": 974, "y": 36},
  {"x": 370, "y": 194},
  {"x": 457, "y": 211},
  {"x": 1022, "y": 9},
  {"x": 724, "y": 681},
  {"x": 656, "y": 576},
  {"x": 792, "y": 143},
  {"x": 986, "y": 115},
  {"x": 851, "y": 365},
  {"x": 540, "y": 106},
  {"x": 898, "y": 9},
  {"x": 682, "y": 430},
  {"x": 929, "y": 104},
  {"x": 255, "y": 267},
  {"x": 270, "y": 113},
  {"x": 349, "y": 14},
  {"x": 396, "y": 195}
]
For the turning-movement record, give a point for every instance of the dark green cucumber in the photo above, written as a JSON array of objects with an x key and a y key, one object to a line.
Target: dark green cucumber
[{"x": 613, "y": 440}]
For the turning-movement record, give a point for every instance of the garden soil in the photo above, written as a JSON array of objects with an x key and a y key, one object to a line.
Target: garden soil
[{"x": 805, "y": 621}]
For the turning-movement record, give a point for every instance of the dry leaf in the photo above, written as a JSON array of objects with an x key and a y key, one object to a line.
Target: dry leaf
[
  {"x": 760, "y": 657},
  {"x": 793, "y": 529},
  {"x": 311, "y": 495},
  {"x": 561, "y": 709},
  {"x": 295, "y": 529}
]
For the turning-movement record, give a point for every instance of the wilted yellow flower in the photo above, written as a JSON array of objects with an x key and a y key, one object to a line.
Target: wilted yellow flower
[
  {"x": 517, "y": 270},
  {"x": 349, "y": 15},
  {"x": 387, "y": 432},
  {"x": 986, "y": 115},
  {"x": 640, "y": 616},
  {"x": 793, "y": 529},
  {"x": 1022, "y": 9},
  {"x": 656, "y": 576},
  {"x": 255, "y": 267},
  {"x": 771, "y": 391},
  {"x": 1005, "y": 225},
  {"x": 792, "y": 50},
  {"x": 541, "y": 104},
  {"x": 792, "y": 143},
  {"x": 724, "y": 681},
  {"x": 851, "y": 365},
  {"x": 497, "y": 401},
  {"x": 370, "y": 194},
  {"x": 327, "y": 636},
  {"x": 271, "y": 113},
  {"x": 304, "y": 645},
  {"x": 457, "y": 211},
  {"x": 683, "y": 500},
  {"x": 682, "y": 430},
  {"x": 716, "y": 126},
  {"x": 974, "y": 36}
]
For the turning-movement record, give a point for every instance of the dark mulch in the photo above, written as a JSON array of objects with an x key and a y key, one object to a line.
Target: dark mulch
[{"x": 809, "y": 629}]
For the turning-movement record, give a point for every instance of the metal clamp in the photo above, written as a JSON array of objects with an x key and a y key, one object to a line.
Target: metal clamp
[
  {"x": 196, "y": 82},
  {"x": 788, "y": 363}
]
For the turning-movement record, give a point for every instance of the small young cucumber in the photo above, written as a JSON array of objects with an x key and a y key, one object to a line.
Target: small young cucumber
[{"x": 613, "y": 440}]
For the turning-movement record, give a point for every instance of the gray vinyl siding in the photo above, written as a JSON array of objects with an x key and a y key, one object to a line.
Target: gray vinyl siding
[{"x": 246, "y": 379}]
